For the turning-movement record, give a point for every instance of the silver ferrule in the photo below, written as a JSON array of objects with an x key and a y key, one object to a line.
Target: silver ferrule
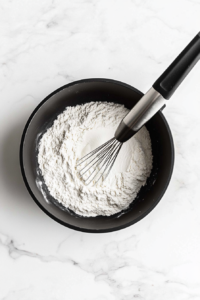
[
  {"x": 144, "y": 110},
  {"x": 140, "y": 114}
]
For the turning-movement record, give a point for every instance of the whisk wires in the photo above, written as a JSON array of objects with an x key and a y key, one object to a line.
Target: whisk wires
[{"x": 97, "y": 164}]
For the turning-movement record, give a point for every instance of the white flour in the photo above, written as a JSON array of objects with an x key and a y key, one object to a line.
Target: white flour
[{"x": 77, "y": 131}]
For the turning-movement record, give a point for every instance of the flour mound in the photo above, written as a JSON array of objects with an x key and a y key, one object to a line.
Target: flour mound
[{"x": 79, "y": 130}]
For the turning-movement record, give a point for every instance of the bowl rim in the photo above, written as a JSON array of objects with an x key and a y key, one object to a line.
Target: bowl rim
[{"x": 29, "y": 188}]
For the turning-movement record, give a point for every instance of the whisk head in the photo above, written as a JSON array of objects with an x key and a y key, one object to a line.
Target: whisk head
[{"x": 97, "y": 164}]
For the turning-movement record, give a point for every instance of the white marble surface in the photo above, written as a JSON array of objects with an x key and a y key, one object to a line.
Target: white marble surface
[{"x": 44, "y": 45}]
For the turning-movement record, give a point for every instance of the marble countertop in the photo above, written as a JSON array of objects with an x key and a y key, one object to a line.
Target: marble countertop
[{"x": 44, "y": 45}]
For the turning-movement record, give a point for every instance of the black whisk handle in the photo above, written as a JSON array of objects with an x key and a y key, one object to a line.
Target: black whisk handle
[{"x": 168, "y": 82}]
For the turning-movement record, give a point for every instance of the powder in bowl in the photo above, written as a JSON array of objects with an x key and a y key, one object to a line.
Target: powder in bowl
[{"x": 79, "y": 130}]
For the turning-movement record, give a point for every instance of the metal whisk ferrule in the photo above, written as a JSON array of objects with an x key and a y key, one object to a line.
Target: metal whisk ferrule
[{"x": 99, "y": 162}]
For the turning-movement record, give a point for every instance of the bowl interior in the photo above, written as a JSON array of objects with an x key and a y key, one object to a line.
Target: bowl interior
[{"x": 98, "y": 90}]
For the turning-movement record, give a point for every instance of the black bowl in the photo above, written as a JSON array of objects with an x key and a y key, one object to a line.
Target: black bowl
[{"x": 80, "y": 92}]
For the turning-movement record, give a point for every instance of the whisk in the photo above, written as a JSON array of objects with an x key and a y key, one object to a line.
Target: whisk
[{"x": 97, "y": 164}]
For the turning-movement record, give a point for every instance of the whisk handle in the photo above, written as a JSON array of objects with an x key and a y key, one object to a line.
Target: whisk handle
[
  {"x": 163, "y": 88},
  {"x": 139, "y": 115},
  {"x": 168, "y": 82}
]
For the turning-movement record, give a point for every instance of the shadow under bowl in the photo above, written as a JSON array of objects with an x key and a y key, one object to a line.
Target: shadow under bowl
[{"x": 80, "y": 92}]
